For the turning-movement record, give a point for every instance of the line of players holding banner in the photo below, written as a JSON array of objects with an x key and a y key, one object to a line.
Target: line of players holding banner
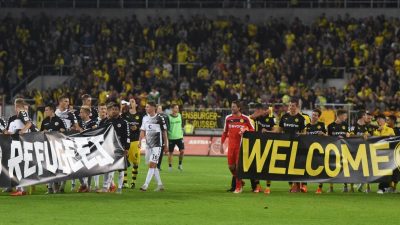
[
  {"x": 295, "y": 122},
  {"x": 130, "y": 125}
]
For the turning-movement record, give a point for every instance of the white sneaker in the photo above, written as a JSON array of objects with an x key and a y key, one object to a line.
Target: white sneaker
[
  {"x": 159, "y": 188},
  {"x": 380, "y": 192},
  {"x": 143, "y": 188},
  {"x": 180, "y": 167}
]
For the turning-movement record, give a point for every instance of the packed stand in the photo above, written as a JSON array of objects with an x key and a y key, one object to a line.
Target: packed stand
[{"x": 203, "y": 62}]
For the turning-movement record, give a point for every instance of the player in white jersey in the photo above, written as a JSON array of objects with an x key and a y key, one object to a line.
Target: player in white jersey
[
  {"x": 70, "y": 122},
  {"x": 154, "y": 132},
  {"x": 20, "y": 123}
]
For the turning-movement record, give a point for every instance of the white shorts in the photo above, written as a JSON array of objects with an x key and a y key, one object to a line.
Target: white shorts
[{"x": 152, "y": 154}]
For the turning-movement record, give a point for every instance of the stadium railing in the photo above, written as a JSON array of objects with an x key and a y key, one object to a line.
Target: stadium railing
[
  {"x": 40, "y": 71},
  {"x": 202, "y": 4}
]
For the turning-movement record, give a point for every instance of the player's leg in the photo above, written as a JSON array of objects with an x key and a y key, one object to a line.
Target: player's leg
[
  {"x": 255, "y": 185},
  {"x": 160, "y": 186},
  {"x": 125, "y": 178},
  {"x": 50, "y": 189},
  {"x": 20, "y": 191},
  {"x": 171, "y": 146},
  {"x": 303, "y": 187},
  {"x": 181, "y": 147},
  {"x": 121, "y": 181},
  {"x": 96, "y": 182},
  {"x": 239, "y": 188},
  {"x": 153, "y": 160},
  {"x": 160, "y": 160},
  {"x": 135, "y": 160},
  {"x": 268, "y": 188},
  {"x": 232, "y": 167},
  {"x": 319, "y": 189},
  {"x": 83, "y": 187}
]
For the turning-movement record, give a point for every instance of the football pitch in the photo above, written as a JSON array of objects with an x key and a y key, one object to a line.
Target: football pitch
[{"x": 198, "y": 196}]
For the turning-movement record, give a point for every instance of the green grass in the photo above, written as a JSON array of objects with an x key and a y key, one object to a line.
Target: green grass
[{"x": 197, "y": 196}]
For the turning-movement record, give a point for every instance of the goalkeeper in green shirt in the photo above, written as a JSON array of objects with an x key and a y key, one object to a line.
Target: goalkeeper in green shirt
[{"x": 175, "y": 136}]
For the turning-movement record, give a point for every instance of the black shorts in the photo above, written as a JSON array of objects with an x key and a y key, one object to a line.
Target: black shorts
[{"x": 177, "y": 142}]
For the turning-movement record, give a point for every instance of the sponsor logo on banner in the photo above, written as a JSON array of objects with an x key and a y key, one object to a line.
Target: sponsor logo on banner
[{"x": 201, "y": 119}]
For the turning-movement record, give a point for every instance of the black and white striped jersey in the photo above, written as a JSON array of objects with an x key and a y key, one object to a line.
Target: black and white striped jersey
[
  {"x": 153, "y": 126},
  {"x": 68, "y": 117}
]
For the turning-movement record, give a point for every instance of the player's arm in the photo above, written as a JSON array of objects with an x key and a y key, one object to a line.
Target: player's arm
[
  {"x": 165, "y": 141},
  {"x": 323, "y": 132},
  {"x": 250, "y": 126},
  {"x": 164, "y": 130},
  {"x": 125, "y": 137},
  {"x": 74, "y": 121},
  {"x": 224, "y": 135},
  {"x": 27, "y": 123},
  {"x": 279, "y": 128},
  {"x": 42, "y": 127}
]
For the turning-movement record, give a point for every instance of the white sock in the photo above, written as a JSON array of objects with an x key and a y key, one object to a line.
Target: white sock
[
  {"x": 157, "y": 176},
  {"x": 96, "y": 181},
  {"x": 120, "y": 179},
  {"x": 149, "y": 176}
]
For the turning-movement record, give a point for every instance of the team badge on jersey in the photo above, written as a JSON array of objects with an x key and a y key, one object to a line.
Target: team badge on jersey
[
  {"x": 119, "y": 125},
  {"x": 343, "y": 127},
  {"x": 241, "y": 120},
  {"x": 296, "y": 120},
  {"x": 319, "y": 127},
  {"x": 56, "y": 123},
  {"x": 137, "y": 117},
  {"x": 266, "y": 120}
]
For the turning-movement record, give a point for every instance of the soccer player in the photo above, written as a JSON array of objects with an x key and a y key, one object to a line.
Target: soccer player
[
  {"x": 340, "y": 128},
  {"x": 86, "y": 123},
  {"x": 102, "y": 119},
  {"x": 175, "y": 136},
  {"x": 87, "y": 101},
  {"x": 122, "y": 129},
  {"x": 154, "y": 131},
  {"x": 383, "y": 131},
  {"x": 101, "y": 122},
  {"x": 293, "y": 123},
  {"x": 315, "y": 127},
  {"x": 360, "y": 128},
  {"x": 264, "y": 122},
  {"x": 20, "y": 123},
  {"x": 370, "y": 128},
  {"x": 134, "y": 119},
  {"x": 391, "y": 122},
  {"x": 235, "y": 125},
  {"x": 71, "y": 124},
  {"x": 52, "y": 122},
  {"x": 62, "y": 111}
]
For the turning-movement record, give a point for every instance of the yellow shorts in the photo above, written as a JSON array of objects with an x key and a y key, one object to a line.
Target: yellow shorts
[{"x": 134, "y": 153}]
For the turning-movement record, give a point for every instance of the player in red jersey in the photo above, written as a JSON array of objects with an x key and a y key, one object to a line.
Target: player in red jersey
[{"x": 235, "y": 125}]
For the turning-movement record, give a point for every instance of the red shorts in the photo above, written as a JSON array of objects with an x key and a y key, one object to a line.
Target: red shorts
[{"x": 233, "y": 154}]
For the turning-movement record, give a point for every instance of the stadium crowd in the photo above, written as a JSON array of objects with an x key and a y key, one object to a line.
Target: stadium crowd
[{"x": 204, "y": 62}]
